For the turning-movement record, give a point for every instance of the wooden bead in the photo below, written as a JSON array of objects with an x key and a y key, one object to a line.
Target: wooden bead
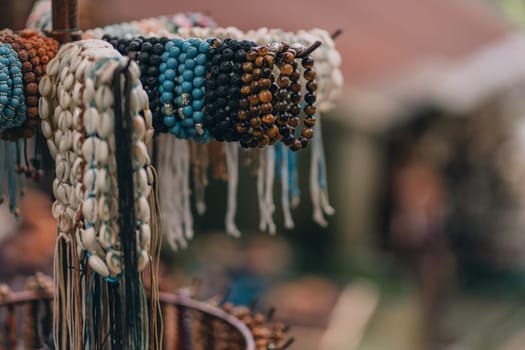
[
  {"x": 32, "y": 112},
  {"x": 265, "y": 96},
  {"x": 269, "y": 60},
  {"x": 242, "y": 114},
  {"x": 241, "y": 129},
  {"x": 259, "y": 61},
  {"x": 307, "y": 62},
  {"x": 268, "y": 119},
  {"x": 288, "y": 57},
  {"x": 247, "y": 67},
  {"x": 247, "y": 78},
  {"x": 265, "y": 83},
  {"x": 273, "y": 131},
  {"x": 263, "y": 51},
  {"x": 251, "y": 55},
  {"x": 257, "y": 73},
  {"x": 294, "y": 121},
  {"x": 307, "y": 133},
  {"x": 295, "y": 87},
  {"x": 244, "y": 103},
  {"x": 309, "y": 121},
  {"x": 286, "y": 69},
  {"x": 311, "y": 86},
  {"x": 295, "y": 76},
  {"x": 255, "y": 122},
  {"x": 254, "y": 99},
  {"x": 310, "y": 110},
  {"x": 263, "y": 141},
  {"x": 283, "y": 82},
  {"x": 254, "y": 85},
  {"x": 266, "y": 108},
  {"x": 257, "y": 132},
  {"x": 32, "y": 89},
  {"x": 246, "y": 90},
  {"x": 310, "y": 74},
  {"x": 296, "y": 145}
]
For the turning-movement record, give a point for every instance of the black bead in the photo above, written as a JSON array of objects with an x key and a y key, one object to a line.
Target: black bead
[
  {"x": 223, "y": 79},
  {"x": 228, "y": 54},
  {"x": 226, "y": 66},
  {"x": 143, "y": 56},
  {"x": 152, "y": 71},
  {"x": 309, "y": 98},
  {"x": 155, "y": 60},
  {"x": 147, "y": 47},
  {"x": 134, "y": 45}
]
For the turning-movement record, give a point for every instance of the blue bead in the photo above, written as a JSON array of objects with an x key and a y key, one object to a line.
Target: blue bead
[
  {"x": 4, "y": 88},
  {"x": 181, "y": 68},
  {"x": 9, "y": 112},
  {"x": 165, "y": 55},
  {"x": 204, "y": 47},
  {"x": 179, "y": 42},
  {"x": 187, "y": 75},
  {"x": 190, "y": 64},
  {"x": 174, "y": 52},
  {"x": 178, "y": 101},
  {"x": 198, "y": 117},
  {"x": 181, "y": 134},
  {"x": 187, "y": 111},
  {"x": 191, "y": 132},
  {"x": 175, "y": 129},
  {"x": 182, "y": 57},
  {"x": 169, "y": 45},
  {"x": 178, "y": 90},
  {"x": 188, "y": 122},
  {"x": 17, "y": 81},
  {"x": 172, "y": 63},
  {"x": 3, "y": 76},
  {"x": 169, "y": 121},
  {"x": 180, "y": 79},
  {"x": 194, "y": 41},
  {"x": 198, "y": 105},
  {"x": 200, "y": 70},
  {"x": 186, "y": 86},
  {"x": 166, "y": 97},
  {"x": 169, "y": 74},
  {"x": 192, "y": 52},
  {"x": 162, "y": 77},
  {"x": 199, "y": 82},
  {"x": 3, "y": 100},
  {"x": 197, "y": 93},
  {"x": 168, "y": 85},
  {"x": 18, "y": 91},
  {"x": 162, "y": 67},
  {"x": 185, "y": 46},
  {"x": 201, "y": 59}
]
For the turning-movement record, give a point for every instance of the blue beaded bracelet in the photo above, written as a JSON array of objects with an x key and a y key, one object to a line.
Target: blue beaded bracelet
[
  {"x": 14, "y": 111},
  {"x": 182, "y": 80}
]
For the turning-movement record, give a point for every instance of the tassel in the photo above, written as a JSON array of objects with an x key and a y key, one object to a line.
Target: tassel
[
  {"x": 285, "y": 189},
  {"x": 200, "y": 160},
  {"x": 232, "y": 164},
  {"x": 265, "y": 177}
]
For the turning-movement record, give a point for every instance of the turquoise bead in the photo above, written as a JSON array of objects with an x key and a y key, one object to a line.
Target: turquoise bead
[
  {"x": 181, "y": 68},
  {"x": 201, "y": 59},
  {"x": 200, "y": 70},
  {"x": 169, "y": 45},
  {"x": 190, "y": 64},
  {"x": 194, "y": 41},
  {"x": 169, "y": 74},
  {"x": 172, "y": 63},
  {"x": 192, "y": 52},
  {"x": 198, "y": 117},
  {"x": 3, "y": 88},
  {"x": 204, "y": 47},
  {"x": 197, "y": 105},
  {"x": 199, "y": 82},
  {"x": 187, "y": 75},
  {"x": 168, "y": 85},
  {"x": 187, "y": 123},
  {"x": 197, "y": 93},
  {"x": 187, "y": 111},
  {"x": 4, "y": 100},
  {"x": 165, "y": 55},
  {"x": 178, "y": 101},
  {"x": 162, "y": 67},
  {"x": 162, "y": 77},
  {"x": 182, "y": 57},
  {"x": 178, "y": 90},
  {"x": 179, "y": 42},
  {"x": 186, "y": 86},
  {"x": 166, "y": 97},
  {"x": 169, "y": 121},
  {"x": 180, "y": 79},
  {"x": 185, "y": 46},
  {"x": 175, "y": 129},
  {"x": 174, "y": 52}
]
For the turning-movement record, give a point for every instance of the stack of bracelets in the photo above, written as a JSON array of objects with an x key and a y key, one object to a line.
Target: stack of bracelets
[{"x": 227, "y": 90}]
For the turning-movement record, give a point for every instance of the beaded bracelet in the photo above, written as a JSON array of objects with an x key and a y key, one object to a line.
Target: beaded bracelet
[
  {"x": 184, "y": 116},
  {"x": 223, "y": 83},
  {"x": 14, "y": 108},
  {"x": 255, "y": 116}
]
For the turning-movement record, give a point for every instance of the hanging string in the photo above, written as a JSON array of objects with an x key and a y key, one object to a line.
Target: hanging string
[
  {"x": 232, "y": 164},
  {"x": 285, "y": 188}
]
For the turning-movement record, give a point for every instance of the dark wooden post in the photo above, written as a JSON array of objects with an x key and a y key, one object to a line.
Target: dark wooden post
[{"x": 65, "y": 21}]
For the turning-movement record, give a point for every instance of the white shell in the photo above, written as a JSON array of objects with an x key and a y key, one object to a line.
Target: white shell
[
  {"x": 64, "y": 99},
  {"x": 104, "y": 236},
  {"x": 89, "y": 239},
  {"x": 64, "y": 223},
  {"x": 114, "y": 263},
  {"x": 142, "y": 181},
  {"x": 52, "y": 67},
  {"x": 102, "y": 152},
  {"x": 89, "y": 91},
  {"x": 101, "y": 183},
  {"x": 143, "y": 260},
  {"x": 89, "y": 179},
  {"x": 62, "y": 170},
  {"x": 97, "y": 264},
  {"x": 88, "y": 148},
  {"x": 141, "y": 154},
  {"x": 106, "y": 124},
  {"x": 145, "y": 236},
  {"x": 53, "y": 150},
  {"x": 77, "y": 94},
  {"x": 103, "y": 210},
  {"x": 61, "y": 192},
  {"x": 44, "y": 87},
  {"x": 140, "y": 127},
  {"x": 46, "y": 129},
  {"x": 143, "y": 210},
  {"x": 68, "y": 81},
  {"x": 89, "y": 210},
  {"x": 76, "y": 169},
  {"x": 91, "y": 120},
  {"x": 103, "y": 98},
  {"x": 57, "y": 209}
]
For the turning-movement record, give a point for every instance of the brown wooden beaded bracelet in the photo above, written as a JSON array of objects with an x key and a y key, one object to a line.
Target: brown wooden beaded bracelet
[{"x": 255, "y": 114}]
